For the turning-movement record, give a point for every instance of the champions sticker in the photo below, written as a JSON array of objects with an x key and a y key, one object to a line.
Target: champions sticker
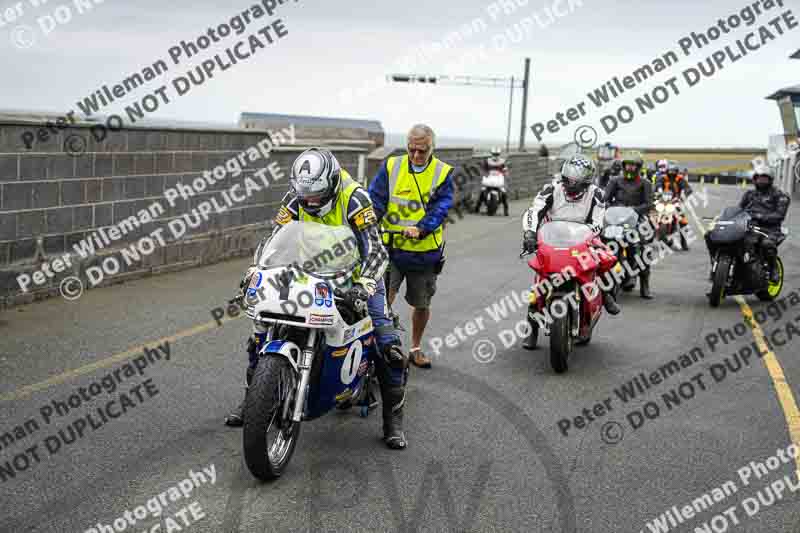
[
  {"x": 364, "y": 218},
  {"x": 284, "y": 216},
  {"x": 320, "y": 320}
]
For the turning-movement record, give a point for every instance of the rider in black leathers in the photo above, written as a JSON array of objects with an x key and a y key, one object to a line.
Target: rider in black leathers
[
  {"x": 631, "y": 190},
  {"x": 767, "y": 206}
]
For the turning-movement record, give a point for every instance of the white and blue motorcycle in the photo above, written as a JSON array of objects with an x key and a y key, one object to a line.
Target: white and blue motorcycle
[{"x": 316, "y": 349}]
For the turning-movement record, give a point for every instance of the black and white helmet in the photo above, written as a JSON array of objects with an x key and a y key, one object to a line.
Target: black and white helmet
[
  {"x": 315, "y": 180},
  {"x": 577, "y": 174},
  {"x": 763, "y": 175},
  {"x": 495, "y": 152}
]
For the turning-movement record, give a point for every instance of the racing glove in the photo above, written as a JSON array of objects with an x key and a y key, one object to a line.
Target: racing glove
[
  {"x": 529, "y": 242},
  {"x": 356, "y": 297}
]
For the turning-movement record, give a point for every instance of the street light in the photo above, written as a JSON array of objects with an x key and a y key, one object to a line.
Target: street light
[{"x": 480, "y": 81}]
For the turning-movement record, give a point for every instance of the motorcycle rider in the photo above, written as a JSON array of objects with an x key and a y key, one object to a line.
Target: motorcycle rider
[
  {"x": 675, "y": 182},
  {"x": 662, "y": 166},
  {"x": 322, "y": 192},
  {"x": 574, "y": 198},
  {"x": 497, "y": 164},
  {"x": 632, "y": 191},
  {"x": 767, "y": 206}
]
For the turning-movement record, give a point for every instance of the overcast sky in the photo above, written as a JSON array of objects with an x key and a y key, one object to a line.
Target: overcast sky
[{"x": 337, "y": 53}]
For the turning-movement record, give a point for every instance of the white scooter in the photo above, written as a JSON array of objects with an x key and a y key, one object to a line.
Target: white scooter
[{"x": 493, "y": 187}]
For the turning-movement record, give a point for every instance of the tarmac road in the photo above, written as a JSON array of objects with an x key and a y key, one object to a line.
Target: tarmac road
[{"x": 486, "y": 452}]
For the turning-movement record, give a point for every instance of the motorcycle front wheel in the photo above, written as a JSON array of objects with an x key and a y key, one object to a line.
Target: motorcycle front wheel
[
  {"x": 491, "y": 205},
  {"x": 561, "y": 343},
  {"x": 773, "y": 290},
  {"x": 720, "y": 280},
  {"x": 269, "y": 439}
]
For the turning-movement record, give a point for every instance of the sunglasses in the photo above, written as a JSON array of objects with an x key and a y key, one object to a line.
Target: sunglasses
[{"x": 413, "y": 151}]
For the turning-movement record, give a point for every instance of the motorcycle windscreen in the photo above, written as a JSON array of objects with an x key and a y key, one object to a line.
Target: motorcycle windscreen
[
  {"x": 731, "y": 226},
  {"x": 564, "y": 234},
  {"x": 320, "y": 250},
  {"x": 621, "y": 216}
]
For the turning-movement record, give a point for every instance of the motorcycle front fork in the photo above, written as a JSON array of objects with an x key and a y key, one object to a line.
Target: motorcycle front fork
[{"x": 306, "y": 360}]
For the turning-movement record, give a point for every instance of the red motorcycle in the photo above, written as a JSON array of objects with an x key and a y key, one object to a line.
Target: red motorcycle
[{"x": 566, "y": 301}]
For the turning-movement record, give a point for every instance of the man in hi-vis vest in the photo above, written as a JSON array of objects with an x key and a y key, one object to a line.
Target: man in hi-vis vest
[{"x": 412, "y": 194}]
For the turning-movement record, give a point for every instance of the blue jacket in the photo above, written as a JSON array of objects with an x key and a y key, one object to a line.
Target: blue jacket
[{"x": 436, "y": 213}]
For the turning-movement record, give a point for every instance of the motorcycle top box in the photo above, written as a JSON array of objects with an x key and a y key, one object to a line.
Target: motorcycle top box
[{"x": 316, "y": 349}]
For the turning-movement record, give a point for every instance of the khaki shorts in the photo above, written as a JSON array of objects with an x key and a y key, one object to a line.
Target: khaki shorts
[{"x": 420, "y": 286}]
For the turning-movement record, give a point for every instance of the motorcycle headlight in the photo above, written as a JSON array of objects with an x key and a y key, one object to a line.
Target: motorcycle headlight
[
  {"x": 612, "y": 232},
  {"x": 659, "y": 207},
  {"x": 670, "y": 208}
]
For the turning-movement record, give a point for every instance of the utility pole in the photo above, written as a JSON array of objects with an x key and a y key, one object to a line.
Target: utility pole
[
  {"x": 510, "y": 108},
  {"x": 525, "y": 86}
]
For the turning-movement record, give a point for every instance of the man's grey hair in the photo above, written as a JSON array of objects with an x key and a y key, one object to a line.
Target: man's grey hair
[{"x": 422, "y": 130}]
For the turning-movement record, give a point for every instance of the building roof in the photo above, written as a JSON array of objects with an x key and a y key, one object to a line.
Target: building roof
[
  {"x": 793, "y": 91},
  {"x": 329, "y": 122}
]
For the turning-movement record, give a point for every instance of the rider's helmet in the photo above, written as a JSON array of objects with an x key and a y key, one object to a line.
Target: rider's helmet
[
  {"x": 763, "y": 176},
  {"x": 673, "y": 170},
  {"x": 662, "y": 166},
  {"x": 632, "y": 165},
  {"x": 495, "y": 152},
  {"x": 616, "y": 167},
  {"x": 315, "y": 179},
  {"x": 577, "y": 173}
]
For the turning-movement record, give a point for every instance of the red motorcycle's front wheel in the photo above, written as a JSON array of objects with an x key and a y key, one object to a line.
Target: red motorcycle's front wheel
[{"x": 561, "y": 343}]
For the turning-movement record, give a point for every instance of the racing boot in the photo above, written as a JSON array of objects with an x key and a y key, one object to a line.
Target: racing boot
[
  {"x": 644, "y": 285},
  {"x": 236, "y": 417},
  {"x": 610, "y": 303},
  {"x": 392, "y": 373},
  {"x": 533, "y": 337}
]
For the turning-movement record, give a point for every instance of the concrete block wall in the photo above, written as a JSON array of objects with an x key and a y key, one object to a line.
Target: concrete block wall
[{"x": 50, "y": 200}]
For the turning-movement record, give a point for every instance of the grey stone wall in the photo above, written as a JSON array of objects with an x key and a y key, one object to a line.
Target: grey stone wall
[{"x": 51, "y": 199}]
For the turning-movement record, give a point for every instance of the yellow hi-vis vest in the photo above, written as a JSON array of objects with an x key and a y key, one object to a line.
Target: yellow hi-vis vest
[
  {"x": 408, "y": 201},
  {"x": 338, "y": 215}
]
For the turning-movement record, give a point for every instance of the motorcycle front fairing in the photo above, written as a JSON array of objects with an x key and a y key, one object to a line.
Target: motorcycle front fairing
[
  {"x": 283, "y": 292},
  {"x": 564, "y": 255}
]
